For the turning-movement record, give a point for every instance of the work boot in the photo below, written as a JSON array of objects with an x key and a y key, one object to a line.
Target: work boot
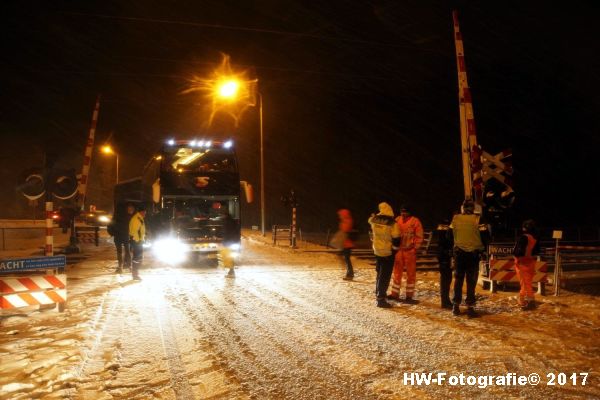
[
  {"x": 410, "y": 300},
  {"x": 447, "y": 305},
  {"x": 393, "y": 297},
  {"x": 471, "y": 313},
  {"x": 383, "y": 304},
  {"x": 348, "y": 277},
  {"x": 119, "y": 270},
  {"x": 528, "y": 305},
  {"x": 455, "y": 309}
]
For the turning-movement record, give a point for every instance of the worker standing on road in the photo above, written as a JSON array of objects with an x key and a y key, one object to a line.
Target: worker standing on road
[
  {"x": 346, "y": 225},
  {"x": 137, "y": 236},
  {"x": 444, "y": 257},
  {"x": 411, "y": 237},
  {"x": 525, "y": 250},
  {"x": 119, "y": 229},
  {"x": 468, "y": 247},
  {"x": 386, "y": 238}
]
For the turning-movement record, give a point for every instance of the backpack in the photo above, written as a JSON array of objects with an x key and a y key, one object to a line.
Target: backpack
[{"x": 111, "y": 228}]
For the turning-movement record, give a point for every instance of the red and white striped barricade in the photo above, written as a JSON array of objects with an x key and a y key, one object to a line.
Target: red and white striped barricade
[
  {"x": 28, "y": 282},
  {"x": 503, "y": 270}
]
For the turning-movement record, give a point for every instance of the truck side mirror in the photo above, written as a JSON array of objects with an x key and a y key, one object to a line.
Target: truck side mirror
[{"x": 248, "y": 191}]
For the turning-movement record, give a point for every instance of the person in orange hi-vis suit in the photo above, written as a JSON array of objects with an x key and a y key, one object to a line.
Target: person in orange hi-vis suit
[
  {"x": 526, "y": 248},
  {"x": 411, "y": 237},
  {"x": 346, "y": 225}
]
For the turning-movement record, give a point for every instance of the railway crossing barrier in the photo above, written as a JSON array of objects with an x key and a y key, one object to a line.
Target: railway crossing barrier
[{"x": 582, "y": 263}]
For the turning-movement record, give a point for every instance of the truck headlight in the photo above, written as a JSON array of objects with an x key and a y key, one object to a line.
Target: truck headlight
[
  {"x": 234, "y": 250},
  {"x": 170, "y": 250}
]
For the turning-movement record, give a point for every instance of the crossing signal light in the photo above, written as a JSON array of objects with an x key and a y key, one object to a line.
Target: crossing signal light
[
  {"x": 61, "y": 183},
  {"x": 33, "y": 186}
]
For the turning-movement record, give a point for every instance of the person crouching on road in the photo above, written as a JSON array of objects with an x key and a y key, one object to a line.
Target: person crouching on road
[
  {"x": 526, "y": 248},
  {"x": 137, "y": 236},
  {"x": 411, "y": 237},
  {"x": 468, "y": 247},
  {"x": 386, "y": 238},
  {"x": 345, "y": 226}
]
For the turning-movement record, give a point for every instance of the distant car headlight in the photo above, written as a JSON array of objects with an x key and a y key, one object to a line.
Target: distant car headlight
[
  {"x": 170, "y": 250},
  {"x": 103, "y": 218},
  {"x": 234, "y": 247}
]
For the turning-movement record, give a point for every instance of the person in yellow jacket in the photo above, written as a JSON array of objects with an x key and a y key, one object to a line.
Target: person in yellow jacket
[
  {"x": 411, "y": 237},
  {"x": 137, "y": 236},
  {"x": 468, "y": 246},
  {"x": 386, "y": 238}
]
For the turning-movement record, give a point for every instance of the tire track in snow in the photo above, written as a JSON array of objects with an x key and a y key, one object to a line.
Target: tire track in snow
[
  {"x": 179, "y": 381},
  {"x": 262, "y": 343}
]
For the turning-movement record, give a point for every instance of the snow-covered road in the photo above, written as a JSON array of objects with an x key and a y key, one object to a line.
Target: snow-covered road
[{"x": 285, "y": 327}]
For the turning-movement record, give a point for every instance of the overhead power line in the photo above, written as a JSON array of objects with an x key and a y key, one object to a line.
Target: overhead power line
[{"x": 247, "y": 29}]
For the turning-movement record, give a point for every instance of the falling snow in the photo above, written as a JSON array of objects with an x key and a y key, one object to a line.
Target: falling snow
[{"x": 286, "y": 326}]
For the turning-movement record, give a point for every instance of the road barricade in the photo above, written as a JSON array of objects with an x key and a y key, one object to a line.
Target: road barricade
[
  {"x": 88, "y": 234},
  {"x": 282, "y": 232},
  {"x": 34, "y": 281},
  {"x": 501, "y": 268}
]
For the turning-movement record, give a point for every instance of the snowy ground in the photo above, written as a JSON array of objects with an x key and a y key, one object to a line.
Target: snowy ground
[{"x": 285, "y": 327}]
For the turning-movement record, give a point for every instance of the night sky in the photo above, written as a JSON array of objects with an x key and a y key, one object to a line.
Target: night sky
[{"x": 360, "y": 98}]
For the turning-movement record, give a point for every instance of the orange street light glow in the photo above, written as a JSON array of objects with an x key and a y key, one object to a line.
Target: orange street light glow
[
  {"x": 228, "y": 89},
  {"x": 230, "y": 92},
  {"x": 107, "y": 150}
]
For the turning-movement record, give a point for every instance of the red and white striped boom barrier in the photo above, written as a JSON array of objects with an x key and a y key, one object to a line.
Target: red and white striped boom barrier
[
  {"x": 471, "y": 152},
  {"x": 87, "y": 158}
]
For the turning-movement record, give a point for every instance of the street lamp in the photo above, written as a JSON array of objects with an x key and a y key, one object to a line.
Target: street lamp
[
  {"x": 228, "y": 89},
  {"x": 107, "y": 149}
]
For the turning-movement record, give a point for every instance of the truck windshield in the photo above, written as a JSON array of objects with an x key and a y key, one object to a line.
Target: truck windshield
[
  {"x": 198, "y": 209},
  {"x": 198, "y": 160}
]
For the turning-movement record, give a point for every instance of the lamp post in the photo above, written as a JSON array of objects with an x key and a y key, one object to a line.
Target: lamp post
[
  {"x": 228, "y": 89},
  {"x": 107, "y": 149},
  {"x": 262, "y": 167}
]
